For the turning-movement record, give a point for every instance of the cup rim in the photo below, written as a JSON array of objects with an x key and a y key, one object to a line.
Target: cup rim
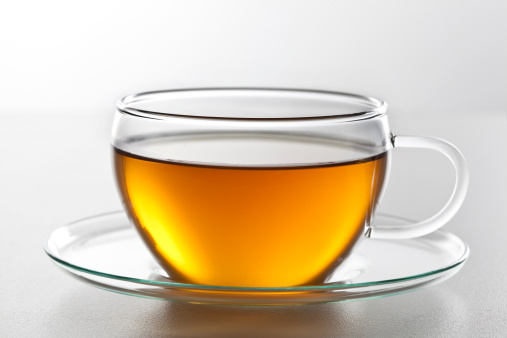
[{"x": 377, "y": 107}]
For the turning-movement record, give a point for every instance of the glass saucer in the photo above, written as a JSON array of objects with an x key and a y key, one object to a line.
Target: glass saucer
[{"x": 105, "y": 251}]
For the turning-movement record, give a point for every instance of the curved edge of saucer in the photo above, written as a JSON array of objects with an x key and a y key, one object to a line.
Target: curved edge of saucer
[
  {"x": 220, "y": 297},
  {"x": 254, "y": 290}
]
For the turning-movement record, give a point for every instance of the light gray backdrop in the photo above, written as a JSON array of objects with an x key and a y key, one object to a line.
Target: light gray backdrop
[{"x": 422, "y": 57}]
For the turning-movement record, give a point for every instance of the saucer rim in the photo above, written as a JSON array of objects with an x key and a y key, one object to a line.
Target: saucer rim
[{"x": 325, "y": 287}]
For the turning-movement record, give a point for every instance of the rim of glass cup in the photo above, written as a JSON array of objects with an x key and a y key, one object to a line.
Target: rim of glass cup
[{"x": 376, "y": 107}]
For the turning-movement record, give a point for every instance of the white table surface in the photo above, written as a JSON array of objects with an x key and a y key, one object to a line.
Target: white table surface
[{"x": 56, "y": 169}]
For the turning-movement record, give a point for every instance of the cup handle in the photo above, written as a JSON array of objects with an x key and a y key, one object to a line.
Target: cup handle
[{"x": 450, "y": 208}]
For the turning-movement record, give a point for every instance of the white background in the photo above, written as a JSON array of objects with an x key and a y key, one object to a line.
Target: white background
[{"x": 422, "y": 57}]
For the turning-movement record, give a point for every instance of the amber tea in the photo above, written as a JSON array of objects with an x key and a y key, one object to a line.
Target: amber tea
[{"x": 270, "y": 226}]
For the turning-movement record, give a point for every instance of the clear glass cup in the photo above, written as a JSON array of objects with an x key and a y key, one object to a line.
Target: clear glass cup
[{"x": 260, "y": 187}]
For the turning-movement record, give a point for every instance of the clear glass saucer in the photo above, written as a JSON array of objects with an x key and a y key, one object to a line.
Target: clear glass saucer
[{"x": 106, "y": 252}]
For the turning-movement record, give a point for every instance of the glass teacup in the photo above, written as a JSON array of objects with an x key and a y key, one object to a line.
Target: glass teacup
[{"x": 260, "y": 187}]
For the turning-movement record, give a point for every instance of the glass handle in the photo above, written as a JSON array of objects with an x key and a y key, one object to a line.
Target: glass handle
[{"x": 450, "y": 208}]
